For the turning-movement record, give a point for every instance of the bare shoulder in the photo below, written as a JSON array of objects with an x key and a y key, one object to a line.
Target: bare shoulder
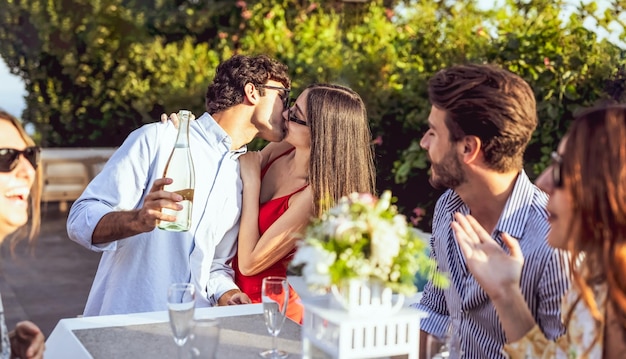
[
  {"x": 302, "y": 200},
  {"x": 273, "y": 150}
]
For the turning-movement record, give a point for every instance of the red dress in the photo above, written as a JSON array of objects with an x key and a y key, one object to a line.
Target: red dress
[{"x": 269, "y": 212}]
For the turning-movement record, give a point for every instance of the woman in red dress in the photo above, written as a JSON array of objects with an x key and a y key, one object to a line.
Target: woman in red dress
[{"x": 326, "y": 154}]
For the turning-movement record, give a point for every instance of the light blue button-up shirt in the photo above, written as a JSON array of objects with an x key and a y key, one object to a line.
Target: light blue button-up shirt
[{"x": 135, "y": 272}]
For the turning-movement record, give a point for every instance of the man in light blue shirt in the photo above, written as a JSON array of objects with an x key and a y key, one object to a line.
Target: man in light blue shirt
[{"x": 118, "y": 212}]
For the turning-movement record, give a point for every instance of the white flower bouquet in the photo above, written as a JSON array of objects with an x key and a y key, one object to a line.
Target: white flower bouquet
[{"x": 362, "y": 237}]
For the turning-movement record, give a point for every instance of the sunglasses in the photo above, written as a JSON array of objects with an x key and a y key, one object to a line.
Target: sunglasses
[
  {"x": 9, "y": 157},
  {"x": 291, "y": 116},
  {"x": 557, "y": 169},
  {"x": 284, "y": 95}
]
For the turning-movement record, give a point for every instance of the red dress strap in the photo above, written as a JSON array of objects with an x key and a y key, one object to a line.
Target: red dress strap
[{"x": 269, "y": 164}]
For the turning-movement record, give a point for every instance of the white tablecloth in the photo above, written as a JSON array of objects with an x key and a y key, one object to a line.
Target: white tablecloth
[{"x": 63, "y": 343}]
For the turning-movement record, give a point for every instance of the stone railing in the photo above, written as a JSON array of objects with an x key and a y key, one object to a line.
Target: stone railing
[{"x": 67, "y": 171}]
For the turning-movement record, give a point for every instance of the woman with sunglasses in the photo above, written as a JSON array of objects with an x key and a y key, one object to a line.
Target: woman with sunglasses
[
  {"x": 20, "y": 181},
  {"x": 326, "y": 154},
  {"x": 587, "y": 211}
]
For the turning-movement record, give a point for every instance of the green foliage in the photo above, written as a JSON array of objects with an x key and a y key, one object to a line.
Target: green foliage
[{"x": 96, "y": 69}]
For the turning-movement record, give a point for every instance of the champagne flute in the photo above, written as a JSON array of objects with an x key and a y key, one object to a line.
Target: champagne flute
[
  {"x": 275, "y": 295},
  {"x": 181, "y": 299},
  {"x": 451, "y": 345}
]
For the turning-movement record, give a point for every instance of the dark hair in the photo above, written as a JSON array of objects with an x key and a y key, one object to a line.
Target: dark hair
[
  {"x": 342, "y": 158},
  {"x": 232, "y": 75},
  {"x": 595, "y": 176},
  {"x": 490, "y": 103}
]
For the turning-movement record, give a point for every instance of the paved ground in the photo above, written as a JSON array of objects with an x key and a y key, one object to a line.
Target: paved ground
[{"x": 49, "y": 281}]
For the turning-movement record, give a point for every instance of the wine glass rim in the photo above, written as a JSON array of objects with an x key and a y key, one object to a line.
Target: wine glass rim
[{"x": 274, "y": 279}]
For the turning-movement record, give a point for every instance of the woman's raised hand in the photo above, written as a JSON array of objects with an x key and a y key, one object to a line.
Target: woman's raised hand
[
  {"x": 495, "y": 270},
  {"x": 174, "y": 118}
]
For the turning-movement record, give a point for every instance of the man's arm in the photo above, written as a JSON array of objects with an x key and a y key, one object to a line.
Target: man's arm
[
  {"x": 423, "y": 354},
  {"x": 234, "y": 297},
  {"x": 122, "y": 224},
  {"x": 553, "y": 285},
  {"x": 220, "y": 284},
  {"x": 119, "y": 191},
  {"x": 433, "y": 302}
]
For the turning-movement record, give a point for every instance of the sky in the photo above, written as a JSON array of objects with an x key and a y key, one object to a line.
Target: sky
[{"x": 12, "y": 90}]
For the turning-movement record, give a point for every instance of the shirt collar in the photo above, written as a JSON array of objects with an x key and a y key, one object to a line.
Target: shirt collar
[
  {"x": 216, "y": 132},
  {"x": 517, "y": 207},
  {"x": 516, "y": 210}
]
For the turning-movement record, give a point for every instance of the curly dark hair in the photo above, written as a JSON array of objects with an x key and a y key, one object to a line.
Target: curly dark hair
[
  {"x": 232, "y": 75},
  {"x": 490, "y": 103}
]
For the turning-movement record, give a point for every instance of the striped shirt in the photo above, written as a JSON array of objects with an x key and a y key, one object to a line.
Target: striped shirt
[{"x": 464, "y": 305}]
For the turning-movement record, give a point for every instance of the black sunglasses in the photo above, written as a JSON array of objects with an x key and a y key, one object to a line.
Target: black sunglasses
[
  {"x": 9, "y": 157},
  {"x": 291, "y": 116},
  {"x": 284, "y": 95},
  {"x": 557, "y": 169}
]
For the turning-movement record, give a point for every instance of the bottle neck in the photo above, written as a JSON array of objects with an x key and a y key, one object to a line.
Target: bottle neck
[{"x": 183, "y": 128}]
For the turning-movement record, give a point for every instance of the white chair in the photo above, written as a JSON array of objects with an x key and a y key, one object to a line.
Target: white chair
[{"x": 63, "y": 181}]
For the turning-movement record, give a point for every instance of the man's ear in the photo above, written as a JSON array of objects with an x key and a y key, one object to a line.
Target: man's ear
[
  {"x": 250, "y": 94},
  {"x": 471, "y": 148}
]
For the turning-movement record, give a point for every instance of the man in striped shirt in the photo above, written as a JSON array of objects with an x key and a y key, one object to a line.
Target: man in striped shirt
[{"x": 481, "y": 120}]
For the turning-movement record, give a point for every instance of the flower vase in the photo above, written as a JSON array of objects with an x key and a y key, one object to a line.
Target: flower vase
[{"x": 366, "y": 297}]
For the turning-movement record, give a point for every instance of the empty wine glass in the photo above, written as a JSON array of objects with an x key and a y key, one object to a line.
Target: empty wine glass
[
  {"x": 275, "y": 295},
  {"x": 181, "y": 299},
  {"x": 451, "y": 345}
]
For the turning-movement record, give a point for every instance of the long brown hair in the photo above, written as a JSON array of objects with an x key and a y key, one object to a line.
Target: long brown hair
[
  {"x": 35, "y": 191},
  {"x": 342, "y": 159},
  {"x": 594, "y": 173}
]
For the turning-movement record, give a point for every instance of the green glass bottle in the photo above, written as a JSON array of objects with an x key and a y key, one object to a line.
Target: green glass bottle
[{"x": 180, "y": 169}]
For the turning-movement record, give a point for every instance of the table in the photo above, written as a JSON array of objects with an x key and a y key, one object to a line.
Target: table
[{"x": 148, "y": 335}]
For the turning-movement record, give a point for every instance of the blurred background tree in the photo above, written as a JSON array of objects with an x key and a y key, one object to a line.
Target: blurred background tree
[{"x": 94, "y": 70}]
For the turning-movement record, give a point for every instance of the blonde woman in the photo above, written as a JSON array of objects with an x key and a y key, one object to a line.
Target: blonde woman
[{"x": 20, "y": 193}]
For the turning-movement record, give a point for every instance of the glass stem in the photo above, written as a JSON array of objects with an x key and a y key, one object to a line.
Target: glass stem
[
  {"x": 181, "y": 352},
  {"x": 274, "y": 346}
]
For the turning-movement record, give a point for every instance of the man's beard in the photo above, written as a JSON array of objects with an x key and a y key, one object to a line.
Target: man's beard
[{"x": 448, "y": 173}]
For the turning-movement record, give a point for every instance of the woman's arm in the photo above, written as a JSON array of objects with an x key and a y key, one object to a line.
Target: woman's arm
[
  {"x": 249, "y": 226},
  {"x": 257, "y": 253}
]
